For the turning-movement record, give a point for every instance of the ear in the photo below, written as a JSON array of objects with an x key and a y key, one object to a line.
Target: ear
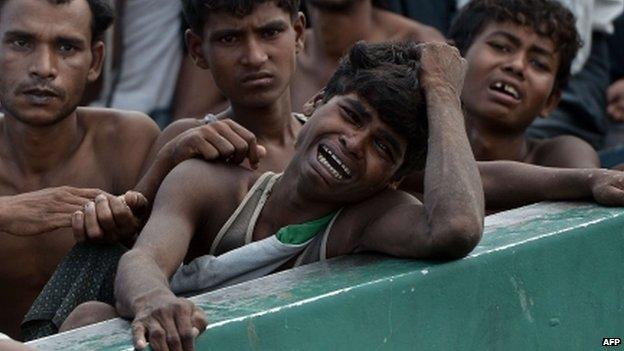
[
  {"x": 299, "y": 25},
  {"x": 97, "y": 61},
  {"x": 551, "y": 104},
  {"x": 311, "y": 105},
  {"x": 194, "y": 43}
]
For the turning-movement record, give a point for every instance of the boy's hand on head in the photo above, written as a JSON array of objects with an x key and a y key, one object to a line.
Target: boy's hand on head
[
  {"x": 173, "y": 323},
  {"x": 223, "y": 140},
  {"x": 607, "y": 187},
  {"x": 442, "y": 67},
  {"x": 615, "y": 101},
  {"x": 110, "y": 218}
]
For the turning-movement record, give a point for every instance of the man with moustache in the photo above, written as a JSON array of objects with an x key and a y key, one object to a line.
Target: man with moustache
[
  {"x": 55, "y": 158},
  {"x": 253, "y": 58}
]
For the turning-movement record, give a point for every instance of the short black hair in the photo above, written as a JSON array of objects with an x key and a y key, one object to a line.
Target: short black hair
[
  {"x": 196, "y": 11},
  {"x": 386, "y": 76},
  {"x": 102, "y": 15},
  {"x": 547, "y": 18}
]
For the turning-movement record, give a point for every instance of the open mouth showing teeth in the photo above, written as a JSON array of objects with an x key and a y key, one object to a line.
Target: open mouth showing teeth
[
  {"x": 333, "y": 164},
  {"x": 506, "y": 89}
]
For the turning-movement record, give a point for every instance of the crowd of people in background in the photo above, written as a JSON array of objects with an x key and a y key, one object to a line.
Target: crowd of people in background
[{"x": 148, "y": 146}]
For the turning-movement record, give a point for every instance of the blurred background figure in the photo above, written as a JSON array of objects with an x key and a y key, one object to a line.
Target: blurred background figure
[
  {"x": 434, "y": 13},
  {"x": 334, "y": 26},
  {"x": 144, "y": 61}
]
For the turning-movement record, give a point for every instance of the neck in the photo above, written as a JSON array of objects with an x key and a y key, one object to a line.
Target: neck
[
  {"x": 334, "y": 32},
  {"x": 491, "y": 145},
  {"x": 273, "y": 123},
  {"x": 289, "y": 205},
  {"x": 38, "y": 150}
]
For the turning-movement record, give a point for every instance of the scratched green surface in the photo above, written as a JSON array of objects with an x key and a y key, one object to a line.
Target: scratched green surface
[{"x": 548, "y": 278}]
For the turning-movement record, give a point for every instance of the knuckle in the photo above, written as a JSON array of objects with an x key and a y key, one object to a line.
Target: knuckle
[
  {"x": 187, "y": 336},
  {"x": 173, "y": 340},
  {"x": 157, "y": 333}
]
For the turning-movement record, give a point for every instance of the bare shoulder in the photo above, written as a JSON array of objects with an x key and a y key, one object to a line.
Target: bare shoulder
[
  {"x": 217, "y": 181},
  {"x": 121, "y": 140},
  {"x": 565, "y": 151},
  {"x": 400, "y": 28},
  {"x": 118, "y": 124}
]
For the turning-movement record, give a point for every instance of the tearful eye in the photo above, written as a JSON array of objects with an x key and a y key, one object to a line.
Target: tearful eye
[
  {"x": 540, "y": 65},
  {"x": 499, "y": 47},
  {"x": 350, "y": 116},
  {"x": 383, "y": 147}
]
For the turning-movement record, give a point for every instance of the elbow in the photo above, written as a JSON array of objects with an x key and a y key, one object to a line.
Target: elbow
[{"x": 457, "y": 237}]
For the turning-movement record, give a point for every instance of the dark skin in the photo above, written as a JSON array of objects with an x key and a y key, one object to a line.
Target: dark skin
[
  {"x": 334, "y": 33},
  {"x": 330, "y": 37},
  {"x": 307, "y": 191},
  {"x": 526, "y": 63},
  {"x": 259, "y": 122},
  {"x": 56, "y": 159}
]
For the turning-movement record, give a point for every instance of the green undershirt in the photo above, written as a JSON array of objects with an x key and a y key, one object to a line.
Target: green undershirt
[{"x": 296, "y": 234}]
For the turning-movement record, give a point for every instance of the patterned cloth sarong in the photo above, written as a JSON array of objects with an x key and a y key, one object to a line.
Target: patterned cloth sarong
[{"x": 87, "y": 273}]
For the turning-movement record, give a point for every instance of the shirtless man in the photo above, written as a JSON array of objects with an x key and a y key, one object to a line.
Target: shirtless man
[
  {"x": 519, "y": 55},
  {"x": 252, "y": 59},
  {"x": 350, "y": 152},
  {"x": 336, "y": 26},
  {"x": 360, "y": 141},
  {"x": 56, "y": 158}
]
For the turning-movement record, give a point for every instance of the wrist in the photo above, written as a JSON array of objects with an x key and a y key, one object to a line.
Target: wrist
[
  {"x": 165, "y": 157},
  {"x": 440, "y": 95},
  {"x": 150, "y": 299}
]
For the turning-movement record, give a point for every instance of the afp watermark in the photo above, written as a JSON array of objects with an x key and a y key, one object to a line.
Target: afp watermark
[{"x": 611, "y": 341}]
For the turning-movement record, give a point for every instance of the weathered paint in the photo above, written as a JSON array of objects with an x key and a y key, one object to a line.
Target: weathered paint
[{"x": 545, "y": 277}]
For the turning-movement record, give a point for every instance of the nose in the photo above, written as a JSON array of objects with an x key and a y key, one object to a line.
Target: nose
[
  {"x": 354, "y": 144},
  {"x": 44, "y": 63},
  {"x": 515, "y": 65},
  {"x": 254, "y": 54}
]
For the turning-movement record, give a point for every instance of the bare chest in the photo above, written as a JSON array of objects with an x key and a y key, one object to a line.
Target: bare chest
[{"x": 80, "y": 173}]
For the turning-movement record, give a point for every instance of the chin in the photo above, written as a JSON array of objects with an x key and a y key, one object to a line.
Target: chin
[{"x": 262, "y": 100}]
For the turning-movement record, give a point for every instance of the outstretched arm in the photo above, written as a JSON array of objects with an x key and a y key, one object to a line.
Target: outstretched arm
[
  {"x": 450, "y": 222},
  {"x": 509, "y": 184},
  {"x": 141, "y": 287}
]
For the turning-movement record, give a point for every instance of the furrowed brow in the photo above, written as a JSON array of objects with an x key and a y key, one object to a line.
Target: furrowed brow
[
  {"x": 275, "y": 24},
  {"x": 77, "y": 42},
  {"x": 18, "y": 34},
  {"x": 219, "y": 33},
  {"x": 541, "y": 51},
  {"x": 512, "y": 38}
]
